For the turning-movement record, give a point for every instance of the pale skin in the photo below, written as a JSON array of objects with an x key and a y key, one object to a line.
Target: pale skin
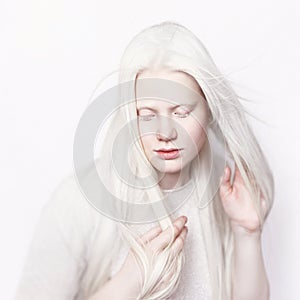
[
  {"x": 249, "y": 275},
  {"x": 249, "y": 279},
  {"x": 126, "y": 284},
  {"x": 164, "y": 122}
]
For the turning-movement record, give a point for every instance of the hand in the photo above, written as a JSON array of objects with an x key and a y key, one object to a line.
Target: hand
[
  {"x": 156, "y": 240},
  {"x": 238, "y": 204}
]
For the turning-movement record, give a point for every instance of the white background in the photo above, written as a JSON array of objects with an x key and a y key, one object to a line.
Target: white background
[{"x": 53, "y": 54}]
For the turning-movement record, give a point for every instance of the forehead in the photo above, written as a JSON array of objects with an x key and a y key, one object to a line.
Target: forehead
[
  {"x": 178, "y": 76},
  {"x": 187, "y": 91}
]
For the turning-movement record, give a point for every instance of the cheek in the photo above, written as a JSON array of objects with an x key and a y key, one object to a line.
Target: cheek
[
  {"x": 147, "y": 142},
  {"x": 198, "y": 135},
  {"x": 198, "y": 130}
]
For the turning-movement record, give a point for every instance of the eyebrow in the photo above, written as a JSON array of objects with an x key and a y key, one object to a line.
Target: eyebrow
[{"x": 190, "y": 106}]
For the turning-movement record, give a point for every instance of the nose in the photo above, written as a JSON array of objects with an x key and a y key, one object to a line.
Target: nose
[{"x": 166, "y": 131}]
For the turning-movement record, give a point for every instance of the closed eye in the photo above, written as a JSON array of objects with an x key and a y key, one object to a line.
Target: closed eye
[
  {"x": 182, "y": 114},
  {"x": 147, "y": 117}
]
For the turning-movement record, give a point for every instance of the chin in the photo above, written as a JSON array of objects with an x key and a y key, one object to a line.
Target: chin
[{"x": 169, "y": 169}]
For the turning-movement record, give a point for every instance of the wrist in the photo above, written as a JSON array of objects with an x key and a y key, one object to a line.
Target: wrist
[
  {"x": 131, "y": 285},
  {"x": 242, "y": 232}
]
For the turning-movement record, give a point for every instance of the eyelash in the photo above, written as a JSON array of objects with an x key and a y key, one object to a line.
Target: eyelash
[
  {"x": 183, "y": 115},
  {"x": 148, "y": 117}
]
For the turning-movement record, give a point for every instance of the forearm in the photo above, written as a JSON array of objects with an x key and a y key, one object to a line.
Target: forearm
[{"x": 249, "y": 278}]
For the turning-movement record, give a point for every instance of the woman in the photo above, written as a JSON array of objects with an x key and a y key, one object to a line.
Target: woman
[{"x": 183, "y": 130}]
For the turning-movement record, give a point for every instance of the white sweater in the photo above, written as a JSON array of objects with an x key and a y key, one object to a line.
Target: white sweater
[{"x": 64, "y": 242}]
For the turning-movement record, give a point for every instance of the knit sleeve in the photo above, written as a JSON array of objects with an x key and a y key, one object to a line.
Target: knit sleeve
[{"x": 57, "y": 255}]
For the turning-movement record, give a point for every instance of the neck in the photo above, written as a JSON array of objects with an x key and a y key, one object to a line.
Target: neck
[{"x": 175, "y": 180}]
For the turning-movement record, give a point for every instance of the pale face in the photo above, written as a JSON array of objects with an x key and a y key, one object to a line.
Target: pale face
[{"x": 172, "y": 124}]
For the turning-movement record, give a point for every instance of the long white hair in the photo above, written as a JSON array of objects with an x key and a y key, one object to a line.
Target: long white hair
[{"x": 173, "y": 46}]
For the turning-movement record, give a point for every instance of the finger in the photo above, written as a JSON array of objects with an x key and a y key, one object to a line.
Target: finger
[
  {"x": 224, "y": 179},
  {"x": 163, "y": 239},
  {"x": 151, "y": 234},
  {"x": 227, "y": 173},
  {"x": 264, "y": 203},
  {"x": 179, "y": 242},
  {"x": 238, "y": 175},
  {"x": 225, "y": 185}
]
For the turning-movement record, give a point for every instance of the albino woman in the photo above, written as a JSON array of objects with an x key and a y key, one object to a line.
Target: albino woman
[{"x": 181, "y": 192}]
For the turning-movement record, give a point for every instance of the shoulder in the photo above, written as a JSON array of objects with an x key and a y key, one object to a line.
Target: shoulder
[
  {"x": 69, "y": 206},
  {"x": 66, "y": 197}
]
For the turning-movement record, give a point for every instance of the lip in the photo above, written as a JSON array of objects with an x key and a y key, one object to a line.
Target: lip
[
  {"x": 167, "y": 154},
  {"x": 166, "y": 150}
]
